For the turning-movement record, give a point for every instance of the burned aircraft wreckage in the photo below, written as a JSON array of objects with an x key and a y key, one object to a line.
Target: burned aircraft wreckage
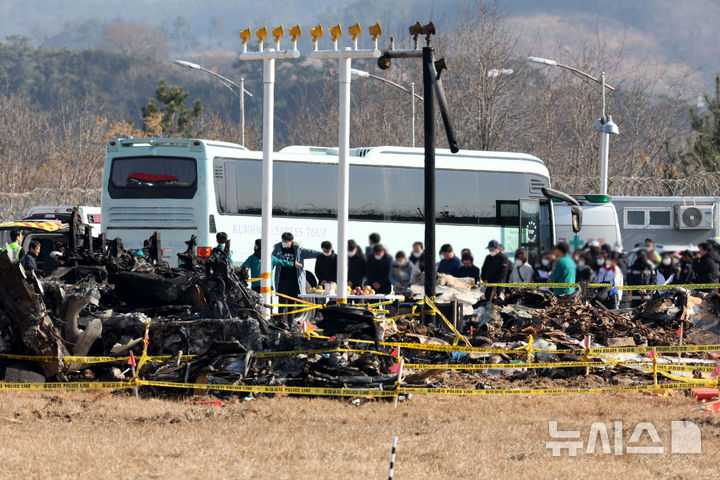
[{"x": 206, "y": 326}]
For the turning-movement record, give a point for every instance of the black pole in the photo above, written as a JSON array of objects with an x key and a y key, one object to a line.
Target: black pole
[{"x": 429, "y": 119}]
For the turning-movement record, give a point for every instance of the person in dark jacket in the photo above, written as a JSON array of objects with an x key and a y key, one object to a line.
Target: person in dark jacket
[
  {"x": 584, "y": 272},
  {"x": 29, "y": 261},
  {"x": 641, "y": 272},
  {"x": 685, "y": 271},
  {"x": 417, "y": 257},
  {"x": 495, "y": 268},
  {"x": 377, "y": 269},
  {"x": 291, "y": 280},
  {"x": 356, "y": 265},
  {"x": 326, "y": 265},
  {"x": 468, "y": 268},
  {"x": 373, "y": 240},
  {"x": 450, "y": 262},
  {"x": 705, "y": 268},
  {"x": 667, "y": 268}
]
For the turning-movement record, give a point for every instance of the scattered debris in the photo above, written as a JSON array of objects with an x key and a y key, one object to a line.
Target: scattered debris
[{"x": 206, "y": 326}]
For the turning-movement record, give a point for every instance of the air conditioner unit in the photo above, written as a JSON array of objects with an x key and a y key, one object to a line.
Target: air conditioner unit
[{"x": 694, "y": 217}]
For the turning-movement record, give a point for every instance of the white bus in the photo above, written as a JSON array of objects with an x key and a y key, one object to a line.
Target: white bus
[{"x": 182, "y": 187}]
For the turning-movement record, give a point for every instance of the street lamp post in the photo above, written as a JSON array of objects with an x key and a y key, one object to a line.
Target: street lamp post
[
  {"x": 604, "y": 124},
  {"x": 229, "y": 84},
  {"x": 363, "y": 74}
]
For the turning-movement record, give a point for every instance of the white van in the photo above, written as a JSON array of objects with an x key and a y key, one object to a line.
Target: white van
[
  {"x": 600, "y": 222},
  {"x": 88, "y": 215}
]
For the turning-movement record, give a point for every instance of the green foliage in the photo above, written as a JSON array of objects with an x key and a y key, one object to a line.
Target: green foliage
[
  {"x": 170, "y": 117},
  {"x": 705, "y": 149}
]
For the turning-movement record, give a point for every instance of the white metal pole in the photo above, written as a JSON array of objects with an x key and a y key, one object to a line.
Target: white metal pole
[
  {"x": 267, "y": 180},
  {"x": 242, "y": 111},
  {"x": 412, "y": 119},
  {"x": 604, "y": 153},
  {"x": 345, "y": 64},
  {"x": 604, "y": 143}
]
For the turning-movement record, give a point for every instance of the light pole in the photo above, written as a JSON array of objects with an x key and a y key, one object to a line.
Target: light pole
[
  {"x": 363, "y": 74},
  {"x": 229, "y": 84},
  {"x": 344, "y": 56},
  {"x": 268, "y": 58},
  {"x": 604, "y": 124}
]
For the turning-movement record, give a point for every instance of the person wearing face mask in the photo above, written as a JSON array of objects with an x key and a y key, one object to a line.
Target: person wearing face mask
[
  {"x": 523, "y": 272},
  {"x": 494, "y": 268},
  {"x": 593, "y": 248},
  {"x": 400, "y": 273},
  {"x": 641, "y": 272},
  {"x": 705, "y": 268},
  {"x": 667, "y": 271},
  {"x": 564, "y": 269},
  {"x": 468, "y": 269},
  {"x": 685, "y": 269},
  {"x": 291, "y": 280},
  {"x": 253, "y": 261},
  {"x": 356, "y": 265},
  {"x": 377, "y": 269},
  {"x": 449, "y": 263},
  {"x": 417, "y": 257},
  {"x": 543, "y": 268},
  {"x": 611, "y": 274},
  {"x": 584, "y": 273},
  {"x": 326, "y": 265}
]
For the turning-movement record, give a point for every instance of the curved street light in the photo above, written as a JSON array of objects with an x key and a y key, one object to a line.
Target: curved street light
[
  {"x": 604, "y": 124},
  {"x": 363, "y": 74},
  {"x": 238, "y": 90}
]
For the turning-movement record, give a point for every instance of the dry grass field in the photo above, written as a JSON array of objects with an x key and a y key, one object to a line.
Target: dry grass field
[{"x": 103, "y": 435}]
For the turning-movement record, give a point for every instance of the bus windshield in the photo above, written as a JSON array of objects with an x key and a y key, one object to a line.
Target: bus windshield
[{"x": 153, "y": 177}]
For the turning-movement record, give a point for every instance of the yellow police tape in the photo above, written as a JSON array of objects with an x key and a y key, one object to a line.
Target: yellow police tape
[
  {"x": 579, "y": 351},
  {"x": 68, "y": 386},
  {"x": 80, "y": 359},
  {"x": 290, "y": 353},
  {"x": 689, "y": 286},
  {"x": 352, "y": 392}
]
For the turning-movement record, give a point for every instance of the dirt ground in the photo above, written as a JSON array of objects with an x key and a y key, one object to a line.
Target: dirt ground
[{"x": 106, "y": 435}]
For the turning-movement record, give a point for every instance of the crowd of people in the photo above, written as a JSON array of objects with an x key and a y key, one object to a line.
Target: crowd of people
[{"x": 385, "y": 273}]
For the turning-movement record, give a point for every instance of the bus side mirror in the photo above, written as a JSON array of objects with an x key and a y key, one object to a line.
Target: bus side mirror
[
  {"x": 577, "y": 216},
  {"x": 575, "y": 209}
]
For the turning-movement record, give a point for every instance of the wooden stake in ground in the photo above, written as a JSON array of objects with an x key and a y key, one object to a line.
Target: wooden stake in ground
[{"x": 392, "y": 458}]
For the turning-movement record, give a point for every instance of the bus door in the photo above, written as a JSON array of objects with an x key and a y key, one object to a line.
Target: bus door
[{"x": 530, "y": 229}]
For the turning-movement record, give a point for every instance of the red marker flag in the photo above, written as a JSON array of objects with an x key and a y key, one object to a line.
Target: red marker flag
[
  {"x": 715, "y": 372},
  {"x": 331, "y": 339},
  {"x": 396, "y": 368},
  {"x": 651, "y": 354},
  {"x": 131, "y": 360},
  {"x": 679, "y": 331},
  {"x": 394, "y": 353},
  {"x": 585, "y": 342}
]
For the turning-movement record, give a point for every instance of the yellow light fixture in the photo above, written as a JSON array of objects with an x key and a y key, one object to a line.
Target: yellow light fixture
[
  {"x": 261, "y": 34},
  {"x": 375, "y": 31},
  {"x": 316, "y": 32},
  {"x": 294, "y": 32},
  {"x": 336, "y": 32},
  {"x": 355, "y": 30},
  {"x": 245, "y": 35}
]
